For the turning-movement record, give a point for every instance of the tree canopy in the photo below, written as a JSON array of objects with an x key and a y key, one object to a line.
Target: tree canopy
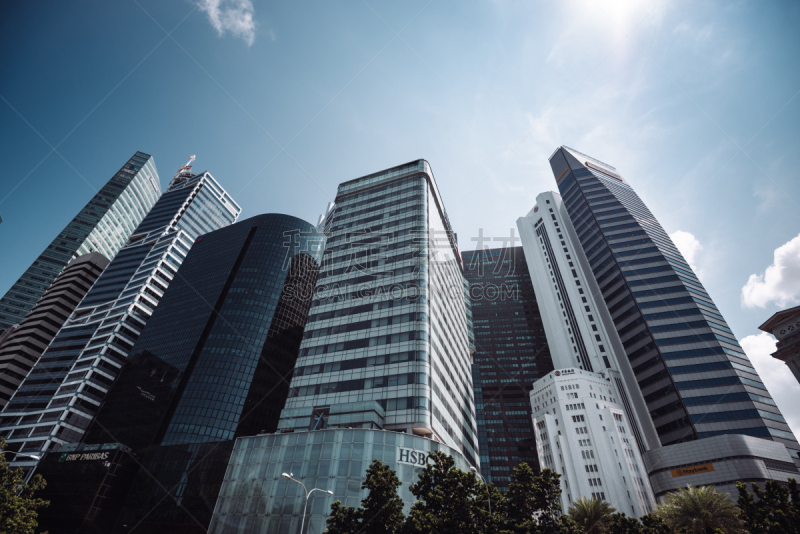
[{"x": 17, "y": 502}]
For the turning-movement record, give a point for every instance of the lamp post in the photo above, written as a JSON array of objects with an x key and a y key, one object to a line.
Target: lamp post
[
  {"x": 308, "y": 493},
  {"x": 489, "y": 496}
]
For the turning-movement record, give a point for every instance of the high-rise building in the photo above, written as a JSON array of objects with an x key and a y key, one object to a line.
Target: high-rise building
[
  {"x": 20, "y": 351},
  {"x": 103, "y": 226},
  {"x": 658, "y": 320},
  {"x": 70, "y": 381},
  {"x": 511, "y": 354},
  {"x": 213, "y": 363},
  {"x": 391, "y": 244},
  {"x": 384, "y": 367},
  {"x": 785, "y": 326},
  {"x": 590, "y": 366}
]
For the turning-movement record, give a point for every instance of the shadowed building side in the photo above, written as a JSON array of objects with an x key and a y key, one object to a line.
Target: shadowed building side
[{"x": 21, "y": 349}]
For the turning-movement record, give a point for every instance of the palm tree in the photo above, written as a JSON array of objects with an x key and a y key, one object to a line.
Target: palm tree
[
  {"x": 700, "y": 510},
  {"x": 591, "y": 514}
]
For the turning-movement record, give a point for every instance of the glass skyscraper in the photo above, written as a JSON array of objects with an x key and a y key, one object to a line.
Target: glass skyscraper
[
  {"x": 388, "y": 324},
  {"x": 695, "y": 379},
  {"x": 213, "y": 363},
  {"x": 511, "y": 354},
  {"x": 62, "y": 393},
  {"x": 384, "y": 367},
  {"x": 103, "y": 226}
]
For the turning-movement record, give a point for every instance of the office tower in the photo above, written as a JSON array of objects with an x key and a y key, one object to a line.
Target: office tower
[
  {"x": 583, "y": 434},
  {"x": 384, "y": 367},
  {"x": 103, "y": 226},
  {"x": 69, "y": 382},
  {"x": 511, "y": 353},
  {"x": 785, "y": 326},
  {"x": 213, "y": 363},
  {"x": 20, "y": 351},
  {"x": 588, "y": 367},
  {"x": 694, "y": 378}
]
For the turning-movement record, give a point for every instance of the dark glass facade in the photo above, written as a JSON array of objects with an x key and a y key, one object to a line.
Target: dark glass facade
[
  {"x": 511, "y": 353},
  {"x": 694, "y": 376},
  {"x": 82, "y": 487},
  {"x": 213, "y": 363},
  {"x": 71, "y": 379}
]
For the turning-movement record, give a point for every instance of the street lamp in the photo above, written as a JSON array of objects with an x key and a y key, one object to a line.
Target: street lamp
[
  {"x": 308, "y": 493},
  {"x": 489, "y": 496}
]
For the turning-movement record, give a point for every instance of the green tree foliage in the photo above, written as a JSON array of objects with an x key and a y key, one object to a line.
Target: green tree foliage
[
  {"x": 381, "y": 511},
  {"x": 774, "y": 510},
  {"x": 17, "y": 502},
  {"x": 620, "y": 524},
  {"x": 534, "y": 503},
  {"x": 450, "y": 501},
  {"x": 700, "y": 511},
  {"x": 592, "y": 515}
]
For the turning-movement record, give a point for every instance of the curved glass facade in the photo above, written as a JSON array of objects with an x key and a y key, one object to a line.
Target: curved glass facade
[
  {"x": 255, "y": 498},
  {"x": 212, "y": 364}
]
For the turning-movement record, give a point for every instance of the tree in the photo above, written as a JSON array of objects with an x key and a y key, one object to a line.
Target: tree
[
  {"x": 592, "y": 515},
  {"x": 533, "y": 503},
  {"x": 620, "y": 524},
  {"x": 450, "y": 501},
  {"x": 17, "y": 503},
  {"x": 381, "y": 511},
  {"x": 701, "y": 511},
  {"x": 775, "y": 510},
  {"x": 652, "y": 524}
]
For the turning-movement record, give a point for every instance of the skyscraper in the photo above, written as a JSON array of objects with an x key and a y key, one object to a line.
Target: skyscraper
[
  {"x": 20, "y": 351},
  {"x": 694, "y": 378},
  {"x": 384, "y": 367},
  {"x": 80, "y": 364},
  {"x": 103, "y": 226},
  {"x": 600, "y": 417},
  {"x": 511, "y": 354},
  {"x": 213, "y": 363}
]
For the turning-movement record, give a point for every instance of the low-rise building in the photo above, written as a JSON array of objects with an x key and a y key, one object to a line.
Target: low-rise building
[{"x": 583, "y": 433}]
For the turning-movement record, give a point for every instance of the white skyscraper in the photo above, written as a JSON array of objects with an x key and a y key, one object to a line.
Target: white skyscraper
[{"x": 583, "y": 343}]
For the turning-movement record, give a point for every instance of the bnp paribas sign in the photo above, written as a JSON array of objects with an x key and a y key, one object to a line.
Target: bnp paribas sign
[{"x": 411, "y": 456}]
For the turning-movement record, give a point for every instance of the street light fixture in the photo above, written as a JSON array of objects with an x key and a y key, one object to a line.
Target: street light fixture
[
  {"x": 482, "y": 480},
  {"x": 308, "y": 493}
]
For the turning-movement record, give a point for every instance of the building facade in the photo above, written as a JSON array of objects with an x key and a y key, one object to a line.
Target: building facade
[
  {"x": 103, "y": 226},
  {"x": 74, "y": 374},
  {"x": 387, "y": 335},
  {"x": 191, "y": 387},
  {"x": 384, "y": 366},
  {"x": 256, "y": 498},
  {"x": 584, "y": 434},
  {"x": 785, "y": 326},
  {"x": 511, "y": 354},
  {"x": 20, "y": 351},
  {"x": 695, "y": 380}
]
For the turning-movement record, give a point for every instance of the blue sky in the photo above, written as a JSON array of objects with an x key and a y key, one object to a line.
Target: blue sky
[{"x": 695, "y": 103}]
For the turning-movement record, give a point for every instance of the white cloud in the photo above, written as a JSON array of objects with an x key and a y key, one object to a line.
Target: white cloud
[
  {"x": 780, "y": 283},
  {"x": 235, "y": 16},
  {"x": 689, "y": 246},
  {"x": 776, "y": 376}
]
